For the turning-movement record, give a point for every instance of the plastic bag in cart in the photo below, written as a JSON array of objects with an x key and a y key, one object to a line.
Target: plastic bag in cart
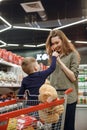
[{"x": 22, "y": 122}]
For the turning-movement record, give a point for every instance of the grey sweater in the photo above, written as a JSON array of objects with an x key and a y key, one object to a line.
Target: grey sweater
[{"x": 59, "y": 79}]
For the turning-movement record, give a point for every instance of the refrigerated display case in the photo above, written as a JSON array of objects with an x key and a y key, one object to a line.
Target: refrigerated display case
[
  {"x": 81, "y": 109},
  {"x": 82, "y": 84}
]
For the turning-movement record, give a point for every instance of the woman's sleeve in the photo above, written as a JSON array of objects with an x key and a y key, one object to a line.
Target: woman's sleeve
[{"x": 74, "y": 64}]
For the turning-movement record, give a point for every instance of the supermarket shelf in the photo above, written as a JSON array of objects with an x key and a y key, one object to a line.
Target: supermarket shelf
[
  {"x": 81, "y": 105},
  {"x": 3, "y": 62},
  {"x": 9, "y": 86},
  {"x": 11, "y": 107}
]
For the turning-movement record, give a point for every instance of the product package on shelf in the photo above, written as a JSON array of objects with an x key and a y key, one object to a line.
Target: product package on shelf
[
  {"x": 10, "y": 74},
  {"x": 8, "y": 102},
  {"x": 10, "y": 57}
]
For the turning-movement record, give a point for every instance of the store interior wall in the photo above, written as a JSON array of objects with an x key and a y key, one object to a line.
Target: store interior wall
[
  {"x": 34, "y": 52},
  {"x": 83, "y": 58}
]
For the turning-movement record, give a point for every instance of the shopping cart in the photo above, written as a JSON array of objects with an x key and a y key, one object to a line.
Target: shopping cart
[{"x": 28, "y": 118}]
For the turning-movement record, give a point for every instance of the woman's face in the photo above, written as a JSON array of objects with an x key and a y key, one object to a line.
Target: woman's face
[{"x": 56, "y": 44}]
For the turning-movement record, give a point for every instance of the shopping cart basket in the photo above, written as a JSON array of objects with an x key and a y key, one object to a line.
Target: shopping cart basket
[
  {"x": 31, "y": 120},
  {"x": 7, "y": 106}
]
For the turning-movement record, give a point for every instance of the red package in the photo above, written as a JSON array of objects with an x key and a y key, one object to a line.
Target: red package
[
  {"x": 25, "y": 121},
  {"x": 3, "y": 53}
]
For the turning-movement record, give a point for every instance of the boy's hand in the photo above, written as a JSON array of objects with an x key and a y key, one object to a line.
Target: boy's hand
[{"x": 56, "y": 54}]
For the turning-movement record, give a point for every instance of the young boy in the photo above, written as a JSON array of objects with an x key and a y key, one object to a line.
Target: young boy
[{"x": 35, "y": 77}]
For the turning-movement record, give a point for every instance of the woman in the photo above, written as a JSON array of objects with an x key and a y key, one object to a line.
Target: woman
[{"x": 66, "y": 72}]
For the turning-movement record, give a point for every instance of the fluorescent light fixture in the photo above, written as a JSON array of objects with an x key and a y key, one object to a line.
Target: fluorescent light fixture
[
  {"x": 5, "y": 22},
  {"x": 30, "y": 28},
  {"x": 71, "y": 24},
  {"x": 29, "y": 45},
  {"x": 13, "y": 44},
  {"x": 35, "y": 45},
  {"x": 41, "y": 45},
  {"x": 3, "y": 43},
  {"x": 5, "y": 29},
  {"x": 85, "y": 42}
]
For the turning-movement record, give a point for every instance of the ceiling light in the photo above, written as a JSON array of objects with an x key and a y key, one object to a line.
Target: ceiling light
[
  {"x": 30, "y": 28},
  {"x": 41, "y": 45},
  {"x": 6, "y": 23},
  {"x": 29, "y": 45},
  {"x": 35, "y": 45},
  {"x": 3, "y": 43},
  {"x": 5, "y": 29},
  {"x": 71, "y": 24},
  {"x": 13, "y": 44},
  {"x": 85, "y": 42}
]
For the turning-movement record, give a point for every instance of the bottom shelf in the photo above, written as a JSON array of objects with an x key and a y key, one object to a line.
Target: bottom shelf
[{"x": 81, "y": 117}]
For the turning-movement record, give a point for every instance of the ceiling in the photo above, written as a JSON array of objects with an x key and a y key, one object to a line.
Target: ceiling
[{"x": 48, "y": 14}]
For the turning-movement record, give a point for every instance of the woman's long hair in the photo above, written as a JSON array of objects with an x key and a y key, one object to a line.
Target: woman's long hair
[{"x": 67, "y": 47}]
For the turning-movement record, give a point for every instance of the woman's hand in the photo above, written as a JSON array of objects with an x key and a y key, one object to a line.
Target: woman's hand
[{"x": 56, "y": 54}]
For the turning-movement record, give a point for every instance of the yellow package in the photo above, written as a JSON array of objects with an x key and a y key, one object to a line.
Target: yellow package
[{"x": 12, "y": 124}]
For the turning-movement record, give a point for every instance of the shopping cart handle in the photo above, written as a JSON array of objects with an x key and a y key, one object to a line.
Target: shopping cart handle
[
  {"x": 61, "y": 89},
  {"x": 12, "y": 114},
  {"x": 69, "y": 90}
]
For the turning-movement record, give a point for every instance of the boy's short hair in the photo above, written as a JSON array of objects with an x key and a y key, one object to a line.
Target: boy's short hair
[{"x": 28, "y": 64}]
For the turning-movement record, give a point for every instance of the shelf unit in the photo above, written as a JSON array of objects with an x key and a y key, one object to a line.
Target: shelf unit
[
  {"x": 10, "y": 76},
  {"x": 82, "y": 84},
  {"x": 10, "y": 80}
]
